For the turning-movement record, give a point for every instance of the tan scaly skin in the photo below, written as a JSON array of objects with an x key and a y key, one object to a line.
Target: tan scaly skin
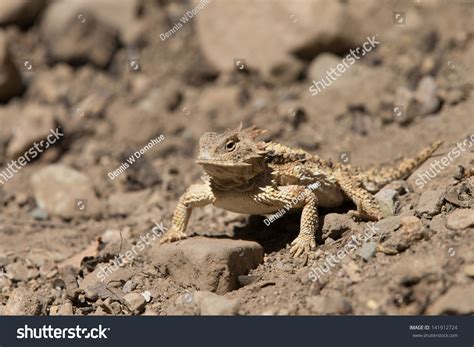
[{"x": 253, "y": 177}]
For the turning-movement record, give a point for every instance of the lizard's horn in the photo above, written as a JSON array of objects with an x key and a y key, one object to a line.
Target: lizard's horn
[{"x": 253, "y": 131}]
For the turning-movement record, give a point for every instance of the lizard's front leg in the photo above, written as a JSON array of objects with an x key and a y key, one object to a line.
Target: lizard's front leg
[
  {"x": 197, "y": 195},
  {"x": 305, "y": 241},
  {"x": 304, "y": 197}
]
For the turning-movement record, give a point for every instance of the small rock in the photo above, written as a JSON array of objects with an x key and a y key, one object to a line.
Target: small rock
[
  {"x": 469, "y": 270},
  {"x": 438, "y": 224},
  {"x": 10, "y": 79},
  {"x": 66, "y": 309},
  {"x": 332, "y": 303},
  {"x": 109, "y": 273},
  {"x": 91, "y": 295},
  {"x": 73, "y": 192},
  {"x": 68, "y": 277},
  {"x": 216, "y": 305},
  {"x": 430, "y": 202},
  {"x": 17, "y": 272},
  {"x": 128, "y": 286},
  {"x": 23, "y": 302},
  {"x": 329, "y": 241},
  {"x": 70, "y": 40},
  {"x": 113, "y": 235},
  {"x": 36, "y": 124},
  {"x": 20, "y": 12},
  {"x": 460, "y": 219},
  {"x": 135, "y": 302},
  {"x": 266, "y": 20},
  {"x": 426, "y": 96},
  {"x": 147, "y": 295},
  {"x": 411, "y": 230},
  {"x": 39, "y": 214},
  {"x": 388, "y": 201},
  {"x": 388, "y": 225},
  {"x": 398, "y": 185},
  {"x": 123, "y": 204},
  {"x": 422, "y": 102},
  {"x": 245, "y": 280},
  {"x": 3, "y": 259},
  {"x": 206, "y": 263},
  {"x": 335, "y": 225},
  {"x": 53, "y": 310},
  {"x": 368, "y": 250},
  {"x": 119, "y": 15},
  {"x": 450, "y": 303}
]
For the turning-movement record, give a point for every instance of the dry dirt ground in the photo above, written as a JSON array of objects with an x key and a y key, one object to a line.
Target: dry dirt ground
[{"x": 113, "y": 75}]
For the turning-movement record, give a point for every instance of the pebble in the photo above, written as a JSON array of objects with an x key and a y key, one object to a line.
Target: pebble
[
  {"x": 368, "y": 250},
  {"x": 135, "y": 302}
]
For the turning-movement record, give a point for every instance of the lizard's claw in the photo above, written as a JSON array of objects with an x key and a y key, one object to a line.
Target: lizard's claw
[
  {"x": 173, "y": 235},
  {"x": 302, "y": 244}
]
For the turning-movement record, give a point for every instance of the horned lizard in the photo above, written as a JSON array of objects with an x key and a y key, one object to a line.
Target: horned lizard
[{"x": 248, "y": 176}]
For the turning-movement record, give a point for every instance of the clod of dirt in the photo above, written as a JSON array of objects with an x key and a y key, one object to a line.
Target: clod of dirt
[
  {"x": 23, "y": 302},
  {"x": 10, "y": 79},
  {"x": 73, "y": 192},
  {"x": 209, "y": 264},
  {"x": 452, "y": 301},
  {"x": 460, "y": 219}
]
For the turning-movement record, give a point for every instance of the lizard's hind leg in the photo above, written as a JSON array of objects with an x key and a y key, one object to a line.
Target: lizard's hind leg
[{"x": 367, "y": 207}]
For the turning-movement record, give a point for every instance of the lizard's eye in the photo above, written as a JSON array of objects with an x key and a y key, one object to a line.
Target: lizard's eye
[{"x": 230, "y": 146}]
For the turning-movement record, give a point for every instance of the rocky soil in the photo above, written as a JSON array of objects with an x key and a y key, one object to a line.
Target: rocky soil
[{"x": 113, "y": 75}]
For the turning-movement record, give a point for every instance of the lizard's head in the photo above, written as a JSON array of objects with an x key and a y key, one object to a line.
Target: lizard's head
[{"x": 233, "y": 154}]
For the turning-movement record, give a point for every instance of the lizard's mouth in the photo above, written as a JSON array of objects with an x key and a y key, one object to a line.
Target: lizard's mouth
[{"x": 221, "y": 163}]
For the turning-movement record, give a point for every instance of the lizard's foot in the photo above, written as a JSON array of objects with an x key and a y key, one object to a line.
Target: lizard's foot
[
  {"x": 302, "y": 244},
  {"x": 173, "y": 235}
]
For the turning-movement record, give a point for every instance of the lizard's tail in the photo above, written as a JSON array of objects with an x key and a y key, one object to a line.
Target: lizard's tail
[{"x": 375, "y": 179}]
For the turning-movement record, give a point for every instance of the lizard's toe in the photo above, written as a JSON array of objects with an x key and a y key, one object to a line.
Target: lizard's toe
[
  {"x": 172, "y": 236},
  {"x": 301, "y": 245}
]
